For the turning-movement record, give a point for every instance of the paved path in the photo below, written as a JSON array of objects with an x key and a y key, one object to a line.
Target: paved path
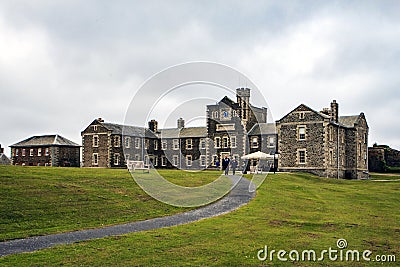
[{"x": 239, "y": 196}]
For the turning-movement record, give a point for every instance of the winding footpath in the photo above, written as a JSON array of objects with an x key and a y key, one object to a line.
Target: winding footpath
[{"x": 236, "y": 198}]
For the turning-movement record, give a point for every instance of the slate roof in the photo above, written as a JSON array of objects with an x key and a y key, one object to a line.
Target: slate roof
[
  {"x": 183, "y": 132},
  {"x": 128, "y": 130},
  {"x": 263, "y": 128},
  {"x": 45, "y": 140},
  {"x": 348, "y": 121}
]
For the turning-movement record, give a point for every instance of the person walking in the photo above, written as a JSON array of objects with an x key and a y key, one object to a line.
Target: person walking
[
  {"x": 234, "y": 165},
  {"x": 225, "y": 164}
]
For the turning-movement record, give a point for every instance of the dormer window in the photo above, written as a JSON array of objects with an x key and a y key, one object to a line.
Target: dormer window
[{"x": 301, "y": 115}]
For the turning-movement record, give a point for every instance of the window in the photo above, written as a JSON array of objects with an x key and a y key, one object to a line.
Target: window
[
  {"x": 39, "y": 152},
  {"x": 234, "y": 113},
  {"x": 254, "y": 142},
  {"x": 189, "y": 160},
  {"x": 95, "y": 159},
  {"x": 46, "y": 151},
  {"x": 137, "y": 157},
  {"x": 95, "y": 140},
  {"x": 146, "y": 160},
  {"x": 175, "y": 159},
  {"x": 163, "y": 161},
  {"x": 331, "y": 134},
  {"x": 137, "y": 142},
  {"x": 302, "y": 156},
  {"x": 225, "y": 142},
  {"x": 301, "y": 115},
  {"x": 217, "y": 142},
  {"x": 164, "y": 145},
  {"x": 155, "y": 161},
  {"x": 202, "y": 160},
  {"x": 31, "y": 152},
  {"x": 233, "y": 142},
  {"x": 155, "y": 144},
  {"x": 359, "y": 150},
  {"x": 225, "y": 127},
  {"x": 116, "y": 159},
  {"x": 95, "y": 128},
  {"x": 271, "y": 141},
  {"x": 23, "y": 152},
  {"x": 302, "y": 133},
  {"x": 202, "y": 143},
  {"x": 127, "y": 157},
  {"x": 189, "y": 144},
  {"x": 214, "y": 160},
  {"x": 127, "y": 142},
  {"x": 117, "y": 141},
  {"x": 215, "y": 114},
  {"x": 343, "y": 137},
  {"x": 146, "y": 144},
  {"x": 16, "y": 152},
  {"x": 175, "y": 144},
  {"x": 331, "y": 157}
]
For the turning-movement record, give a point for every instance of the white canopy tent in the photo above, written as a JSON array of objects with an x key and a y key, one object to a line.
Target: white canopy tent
[{"x": 259, "y": 155}]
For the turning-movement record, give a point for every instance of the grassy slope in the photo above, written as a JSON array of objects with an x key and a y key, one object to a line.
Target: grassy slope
[
  {"x": 291, "y": 211},
  {"x": 39, "y": 200}
]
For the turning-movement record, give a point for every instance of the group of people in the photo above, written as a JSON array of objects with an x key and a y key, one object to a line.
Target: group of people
[{"x": 227, "y": 164}]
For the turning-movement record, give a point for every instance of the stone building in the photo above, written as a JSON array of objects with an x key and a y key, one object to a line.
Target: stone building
[
  {"x": 228, "y": 122},
  {"x": 4, "y": 160},
  {"x": 323, "y": 143},
  {"x": 46, "y": 150},
  {"x": 382, "y": 158}
]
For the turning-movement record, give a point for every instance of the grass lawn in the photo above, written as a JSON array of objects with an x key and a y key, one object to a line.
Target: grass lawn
[
  {"x": 290, "y": 211},
  {"x": 40, "y": 200}
]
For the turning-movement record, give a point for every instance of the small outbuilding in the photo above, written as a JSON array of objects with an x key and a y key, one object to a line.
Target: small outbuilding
[
  {"x": 4, "y": 160},
  {"x": 46, "y": 150}
]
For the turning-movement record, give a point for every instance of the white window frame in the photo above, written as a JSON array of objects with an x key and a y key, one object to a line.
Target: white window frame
[
  {"x": 299, "y": 151},
  {"x": 163, "y": 161},
  {"x": 299, "y": 134},
  {"x": 146, "y": 143},
  {"x": 137, "y": 142},
  {"x": 189, "y": 144},
  {"x": 117, "y": 159},
  {"x": 127, "y": 142},
  {"x": 155, "y": 161},
  {"x": 203, "y": 161},
  {"x": 95, "y": 159},
  {"x": 175, "y": 144},
  {"x": 175, "y": 160},
  {"x": 202, "y": 143},
  {"x": 217, "y": 142},
  {"x": 271, "y": 141},
  {"x": 95, "y": 128},
  {"x": 254, "y": 144},
  {"x": 95, "y": 140},
  {"x": 47, "y": 151},
  {"x": 164, "y": 145},
  {"x": 155, "y": 144},
  {"x": 215, "y": 114},
  {"x": 214, "y": 160},
  {"x": 117, "y": 141},
  {"x": 146, "y": 160},
  {"x": 233, "y": 141},
  {"x": 16, "y": 152},
  {"x": 39, "y": 152},
  {"x": 189, "y": 159},
  {"x": 225, "y": 142},
  {"x": 31, "y": 152}
]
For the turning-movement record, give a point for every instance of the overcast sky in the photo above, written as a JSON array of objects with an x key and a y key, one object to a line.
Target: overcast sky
[{"x": 65, "y": 63}]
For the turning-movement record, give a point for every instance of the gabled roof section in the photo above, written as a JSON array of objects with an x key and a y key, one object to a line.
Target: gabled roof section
[
  {"x": 228, "y": 101},
  {"x": 263, "y": 129},
  {"x": 303, "y": 107},
  {"x": 128, "y": 130},
  {"x": 348, "y": 121},
  {"x": 45, "y": 140}
]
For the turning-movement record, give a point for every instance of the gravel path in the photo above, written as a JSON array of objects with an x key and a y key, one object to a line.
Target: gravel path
[{"x": 239, "y": 196}]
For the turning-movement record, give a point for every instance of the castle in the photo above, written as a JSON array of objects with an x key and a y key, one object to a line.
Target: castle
[{"x": 322, "y": 143}]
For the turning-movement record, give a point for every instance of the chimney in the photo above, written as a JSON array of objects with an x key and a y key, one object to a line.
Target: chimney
[
  {"x": 100, "y": 120},
  {"x": 335, "y": 111},
  {"x": 181, "y": 123},
  {"x": 153, "y": 125}
]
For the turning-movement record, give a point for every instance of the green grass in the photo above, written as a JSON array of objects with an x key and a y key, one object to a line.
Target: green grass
[
  {"x": 40, "y": 200},
  {"x": 384, "y": 176},
  {"x": 290, "y": 211}
]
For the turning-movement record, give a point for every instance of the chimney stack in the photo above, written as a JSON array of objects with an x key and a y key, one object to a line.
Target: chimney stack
[
  {"x": 100, "y": 120},
  {"x": 153, "y": 126},
  {"x": 181, "y": 123},
  {"x": 335, "y": 111}
]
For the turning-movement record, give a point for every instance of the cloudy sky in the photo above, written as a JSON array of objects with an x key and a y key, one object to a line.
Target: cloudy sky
[{"x": 65, "y": 63}]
